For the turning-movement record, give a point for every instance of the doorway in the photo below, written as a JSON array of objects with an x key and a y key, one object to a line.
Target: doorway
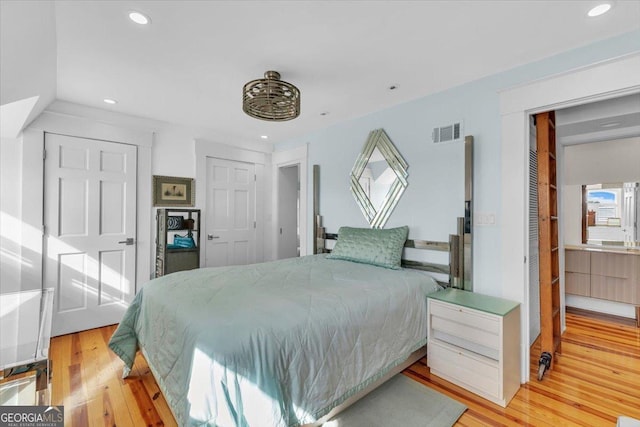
[
  {"x": 596, "y": 141},
  {"x": 604, "y": 80},
  {"x": 288, "y": 237},
  {"x": 289, "y": 169},
  {"x": 598, "y": 148},
  {"x": 90, "y": 230}
]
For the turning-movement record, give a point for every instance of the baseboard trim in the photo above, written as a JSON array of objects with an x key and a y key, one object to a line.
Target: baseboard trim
[{"x": 602, "y": 316}]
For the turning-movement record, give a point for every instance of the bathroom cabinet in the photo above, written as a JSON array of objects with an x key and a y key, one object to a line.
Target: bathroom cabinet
[{"x": 613, "y": 276}]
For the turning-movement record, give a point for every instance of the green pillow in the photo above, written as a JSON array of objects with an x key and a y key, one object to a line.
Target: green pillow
[{"x": 381, "y": 247}]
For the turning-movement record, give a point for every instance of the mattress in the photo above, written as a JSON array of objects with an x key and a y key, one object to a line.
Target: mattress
[{"x": 273, "y": 344}]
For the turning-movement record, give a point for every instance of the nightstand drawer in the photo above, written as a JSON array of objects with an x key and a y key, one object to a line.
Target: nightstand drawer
[
  {"x": 467, "y": 324},
  {"x": 464, "y": 367},
  {"x": 458, "y": 314}
]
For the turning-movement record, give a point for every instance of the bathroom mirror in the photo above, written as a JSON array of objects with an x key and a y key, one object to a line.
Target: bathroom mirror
[
  {"x": 610, "y": 213},
  {"x": 378, "y": 178}
]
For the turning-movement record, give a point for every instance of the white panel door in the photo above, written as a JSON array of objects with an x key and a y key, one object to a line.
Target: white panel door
[
  {"x": 230, "y": 214},
  {"x": 90, "y": 230},
  {"x": 629, "y": 214}
]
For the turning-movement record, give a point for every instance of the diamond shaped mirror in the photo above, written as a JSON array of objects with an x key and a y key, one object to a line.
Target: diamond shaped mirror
[{"x": 378, "y": 178}]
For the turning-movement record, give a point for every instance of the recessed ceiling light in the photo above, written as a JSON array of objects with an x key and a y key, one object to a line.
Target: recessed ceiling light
[
  {"x": 264, "y": 137},
  {"x": 139, "y": 18},
  {"x": 599, "y": 10},
  {"x": 110, "y": 101}
]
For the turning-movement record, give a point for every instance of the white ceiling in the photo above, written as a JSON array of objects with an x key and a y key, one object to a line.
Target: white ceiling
[
  {"x": 188, "y": 67},
  {"x": 607, "y": 120}
]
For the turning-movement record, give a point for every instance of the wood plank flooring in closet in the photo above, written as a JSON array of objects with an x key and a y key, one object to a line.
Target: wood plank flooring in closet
[{"x": 596, "y": 379}]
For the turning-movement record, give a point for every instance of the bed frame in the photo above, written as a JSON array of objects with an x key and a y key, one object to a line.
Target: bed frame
[
  {"x": 454, "y": 247},
  {"x": 458, "y": 270},
  {"x": 453, "y": 270}
]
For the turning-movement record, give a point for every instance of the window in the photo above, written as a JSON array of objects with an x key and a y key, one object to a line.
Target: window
[{"x": 606, "y": 205}]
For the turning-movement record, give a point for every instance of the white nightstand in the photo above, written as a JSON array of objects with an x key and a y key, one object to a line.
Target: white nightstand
[{"x": 474, "y": 342}]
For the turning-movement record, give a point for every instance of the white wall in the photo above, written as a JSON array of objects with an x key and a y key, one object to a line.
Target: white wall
[
  {"x": 602, "y": 162},
  {"x": 174, "y": 152},
  {"x": 28, "y": 64},
  {"x": 21, "y": 213},
  {"x": 10, "y": 212},
  {"x": 594, "y": 163},
  {"x": 572, "y": 214}
]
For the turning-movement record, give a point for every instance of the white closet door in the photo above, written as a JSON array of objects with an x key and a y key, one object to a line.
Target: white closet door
[
  {"x": 230, "y": 214},
  {"x": 629, "y": 214},
  {"x": 90, "y": 230},
  {"x": 534, "y": 259}
]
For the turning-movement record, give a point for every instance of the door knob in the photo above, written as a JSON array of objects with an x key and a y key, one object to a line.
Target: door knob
[
  {"x": 127, "y": 242},
  {"x": 211, "y": 237}
]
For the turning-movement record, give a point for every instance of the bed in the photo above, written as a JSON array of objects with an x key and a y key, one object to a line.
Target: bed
[{"x": 283, "y": 343}]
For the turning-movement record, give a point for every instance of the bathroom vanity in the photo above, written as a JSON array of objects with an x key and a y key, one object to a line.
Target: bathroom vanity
[{"x": 604, "y": 272}]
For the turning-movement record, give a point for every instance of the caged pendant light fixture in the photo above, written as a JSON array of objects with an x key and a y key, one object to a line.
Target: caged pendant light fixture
[{"x": 271, "y": 99}]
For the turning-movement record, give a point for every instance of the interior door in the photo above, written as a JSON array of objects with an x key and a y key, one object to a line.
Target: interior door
[
  {"x": 534, "y": 259},
  {"x": 288, "y": 195},
  {"x": 629, "y": 194},
  {"x": 230, "y": 214},
  {"x": 90, "y": 230}
]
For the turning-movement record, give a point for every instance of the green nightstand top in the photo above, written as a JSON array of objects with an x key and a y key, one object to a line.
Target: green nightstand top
[{"x": 486, "y": 303}]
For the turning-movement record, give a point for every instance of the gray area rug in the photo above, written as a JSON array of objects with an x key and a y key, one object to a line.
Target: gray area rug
[{"x": 400, "y": 402}]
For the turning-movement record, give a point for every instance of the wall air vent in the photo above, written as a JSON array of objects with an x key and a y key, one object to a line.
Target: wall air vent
[{"x": 449, "y": 133}]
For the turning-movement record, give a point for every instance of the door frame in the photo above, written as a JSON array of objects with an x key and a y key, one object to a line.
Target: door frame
[
  {"x": 296, "y": 156},
  {"x": 279, "y": 226},
  {"x": 604, "y": 80},
  {"x": 33, "y": 188},
  {"x": 262, "y": 161}
]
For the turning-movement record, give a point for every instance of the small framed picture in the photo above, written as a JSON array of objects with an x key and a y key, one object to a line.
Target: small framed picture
[{"x": 173, "y": 191}]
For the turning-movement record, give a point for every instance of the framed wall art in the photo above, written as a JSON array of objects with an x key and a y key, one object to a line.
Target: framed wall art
[{"x": 173, "y": 191}]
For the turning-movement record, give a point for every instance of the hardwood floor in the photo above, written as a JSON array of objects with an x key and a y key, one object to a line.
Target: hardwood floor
[{"x": 596, "y": 379}]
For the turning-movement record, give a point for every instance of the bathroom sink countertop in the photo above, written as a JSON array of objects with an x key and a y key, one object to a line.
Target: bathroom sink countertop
[{"x": 633, "y": 250}]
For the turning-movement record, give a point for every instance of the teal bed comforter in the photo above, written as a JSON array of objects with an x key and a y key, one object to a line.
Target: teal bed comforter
[{"x": 273, "y": 344}]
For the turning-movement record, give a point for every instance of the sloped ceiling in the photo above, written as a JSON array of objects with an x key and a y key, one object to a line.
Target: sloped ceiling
[
  {"x": 27, "y": 62},
  {"x": 188, "y": 67}
]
